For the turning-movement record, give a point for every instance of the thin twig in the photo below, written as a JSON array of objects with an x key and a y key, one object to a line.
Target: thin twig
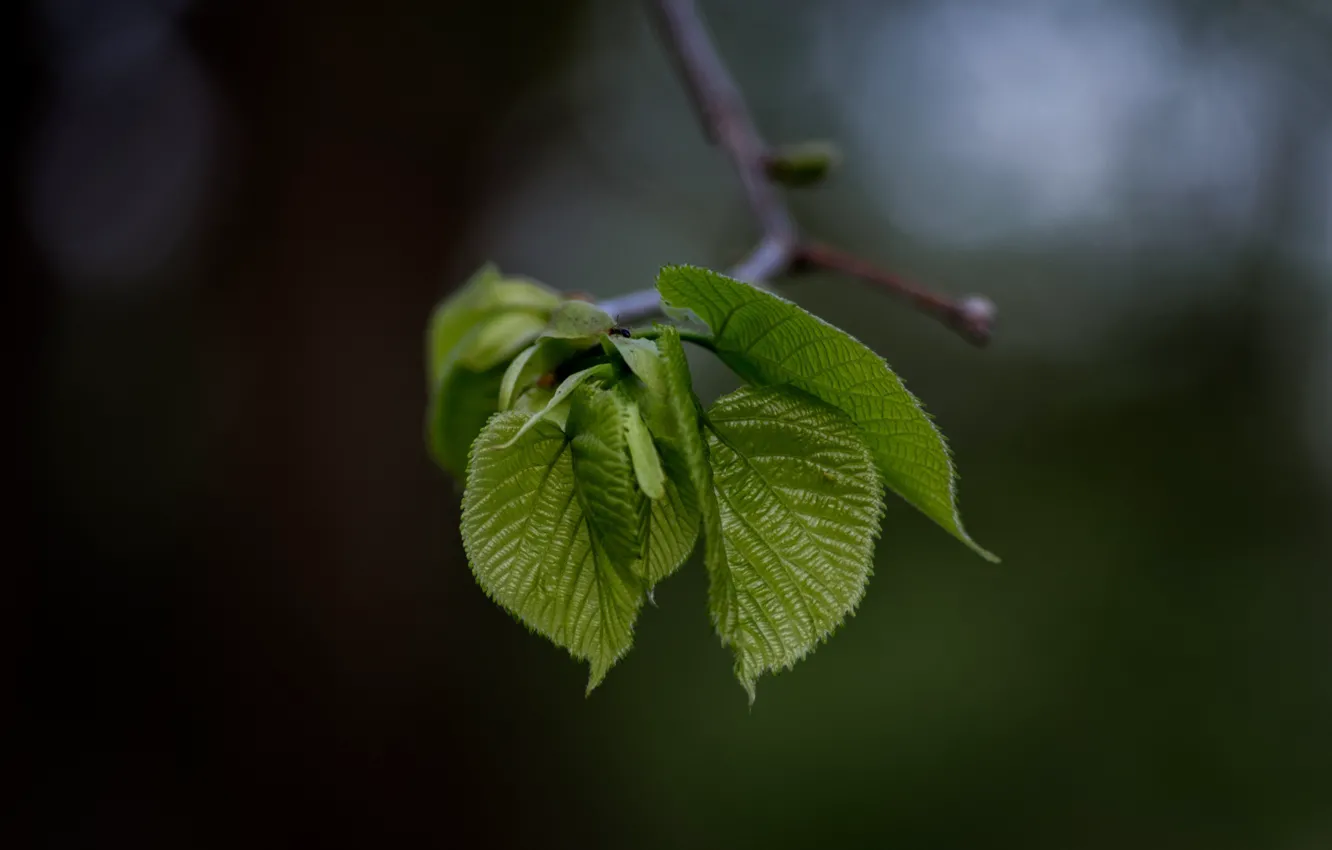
[
  {"x": 780, "y": 250},
  {"x": 973, "y": 316}
]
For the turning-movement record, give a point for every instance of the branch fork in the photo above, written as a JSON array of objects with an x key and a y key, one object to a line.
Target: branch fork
[{"x": 781, "y": 249}]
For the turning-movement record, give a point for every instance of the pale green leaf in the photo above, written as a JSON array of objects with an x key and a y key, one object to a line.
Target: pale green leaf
[
  {"x": 498, "y": 338},
  {"x": 800, "y": 503},
  {"x": 486, "y": 294},
  {"x": 563, "y": 391},
  {"x": 671, "y": 530},
  {"x": 770, "y": 341},
  {"x": 460, "y": 402},
  {"x": 643, "y": 359},
  {"x": 530, "y": 547},
  {"x": 615, "y": 509},
  {"x": 518, "y": 371},
  {"x": 673, "y": 519},
  {"x": 672, "y": 417},
  {"x": 643, "y": 453},
  {"x": 535, "y": 399},
  {"x": 578, "y": 320},
  {"x": 470, "y": 334},
  {"x": 452, "y": 318},
  {"x": 531, "y": 363}
]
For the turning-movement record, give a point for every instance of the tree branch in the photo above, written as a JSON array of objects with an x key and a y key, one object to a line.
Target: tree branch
[
  {"x": 727, "y": 123},
  {"x": 725, "y": 117},
  {"x": 972, "y": 316}
]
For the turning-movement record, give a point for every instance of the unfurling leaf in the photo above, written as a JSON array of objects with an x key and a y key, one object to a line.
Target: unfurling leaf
[
  {"x": 458, "y": 407},
  {"x": 562, "y": 393},
  {"x": 497, "y": 339},
  {"x": 800, "y": 504},
  {"x": 485, "y": 295},
  {"x": 614, "y": 507},
  {"x": 531, "y": 363},
  {"x": 579, "y": 320},
  {"x": 666, "y": 400},
  {"x": 534, "y": 400},
  {"x": 771, "y": 342},
  {"x": 647, "y": 463},
  {"x": 643, "y": 359},
  {"x": 471, "y": 333},
  {"x": 531, "y": 547}
]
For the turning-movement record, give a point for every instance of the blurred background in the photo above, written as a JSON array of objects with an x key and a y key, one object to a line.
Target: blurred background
[{"x": 249, "y": 622}]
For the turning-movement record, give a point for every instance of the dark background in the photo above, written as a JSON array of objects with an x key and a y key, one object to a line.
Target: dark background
[{"x": 242, "y": 614}]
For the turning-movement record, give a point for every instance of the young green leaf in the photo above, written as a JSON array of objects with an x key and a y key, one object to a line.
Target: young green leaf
[
  {"x": 460, "y": 402},
  {"x": 486, "y": 294},
  {"x": 470, "y": 334},
  {"x": 647, "y": 463},
  {"x": 456, "y": 412},
  {"x": 452, "y": 318},
  {"x": 643, "y": 359},
  {"x": 534, "y": 400},
  {"x": 604, "y": 473},
  {"x": 770, "y": 341},
  {"x": 800, "y": 503},
  {"x": 669, "y": 535},
  {"x": 529, "y": 545},
  {"x": 563, "y": 391},
  {"x": 498, "y": 338},
  {"x": 532, "y": 362},
  {"x": 665, "y": 397},
  {"x": 518, "y": 371},
  {"x": 578, "y": 320},
  {"x": 672, "y": 415}
]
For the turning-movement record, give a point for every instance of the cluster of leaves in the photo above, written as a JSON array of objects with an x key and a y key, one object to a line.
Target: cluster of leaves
[{"x": 594, "y": 469}]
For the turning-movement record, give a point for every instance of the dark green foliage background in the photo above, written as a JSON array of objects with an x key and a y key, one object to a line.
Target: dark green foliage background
[{"x": 251, "y": 621}]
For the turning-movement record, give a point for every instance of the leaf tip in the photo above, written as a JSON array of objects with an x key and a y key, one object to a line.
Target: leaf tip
[
  {"x": 751, "y": 689},
  {"x": 595, "y": 678},
  {"x": 984, "y": 553}
]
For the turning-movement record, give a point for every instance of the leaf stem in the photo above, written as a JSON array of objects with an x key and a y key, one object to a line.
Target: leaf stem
[
  {"x": 702, "y": 340},
  {"x": 780, "y": 250}
]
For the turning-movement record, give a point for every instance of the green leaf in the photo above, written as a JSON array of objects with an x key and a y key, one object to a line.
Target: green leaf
[
  {"x": 563, "y": 391},
  {"x": 670, "y": 533},
  {"x": 487, "y": 293},
  {"x": 646, "y": 461},
  {"x": 670, "y": 412},
  {"x": 615, "y": 509},
  {"x": 662, "y": 389},
  {"x": 530, "y": 547},
  {"x": 579, "y": 320},
  {"x": 461, "y": 400},
  {"x": 770, "y": 341},
  {"x": 643, "y": 359},
  {"x": 498, "y": 338},
  {"x": 471, "y": 333},
  {"x": 534, "y": 400},
  {"x": 452, "y": 318},
  {"x": 800, "y": 503},
  {"x": 531, "y": 363}
]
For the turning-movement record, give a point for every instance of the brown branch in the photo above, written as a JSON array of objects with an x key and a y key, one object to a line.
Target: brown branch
[
  {"x": 973, "y": 316},
  {"x": 727, "y": 123}
]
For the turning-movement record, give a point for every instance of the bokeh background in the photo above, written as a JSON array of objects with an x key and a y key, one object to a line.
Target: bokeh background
[{"x": 249, "y": 621}]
